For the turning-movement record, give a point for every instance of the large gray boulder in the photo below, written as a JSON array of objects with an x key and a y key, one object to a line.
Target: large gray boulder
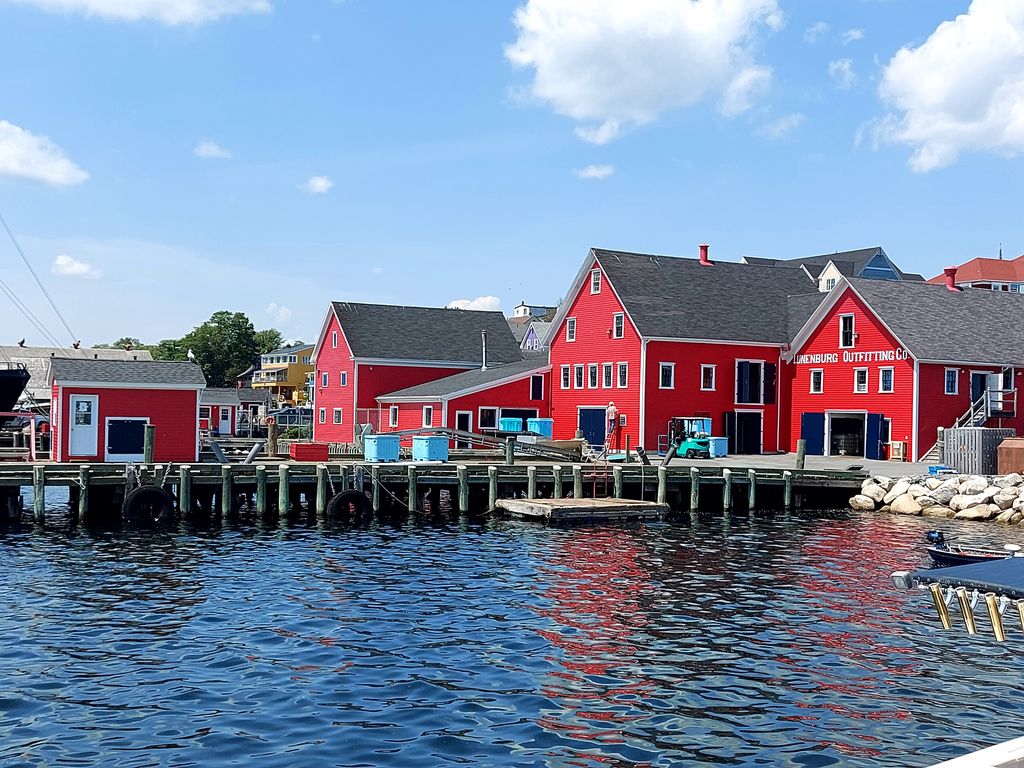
[
  {"x": 973, "y": 484},
  {"x": 981, "y": 512},
  {"x": 906, "y": 505},
  {"x": 932, "y": 483},
  {"x": 898, "y": 489},
  {"x": 944, "y": 494},
  {"x": 926, "y": 501},
  {"x": 873, "y": 491},
  {"x": 938, "y": 511},
  {"x": 1005, "y": 498},
  {"x": 916, "y": 489},
  {"x": 886, "y": 482},
  {"x": 1012, "y": 480},
  {"x": 862, "y": 503},
  {"x": 1006, "y": 517},
  {"x": 963, "y": 501}
]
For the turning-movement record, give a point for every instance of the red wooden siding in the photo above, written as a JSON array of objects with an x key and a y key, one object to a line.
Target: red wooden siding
[
  {"x": 333, "y": 361},
  {"x": 378, "y": 379}
]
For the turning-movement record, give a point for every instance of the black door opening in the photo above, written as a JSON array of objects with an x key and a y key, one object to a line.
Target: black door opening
[
  {"x": 743, "y": 428},
  {"x": 846, "y": 435}
]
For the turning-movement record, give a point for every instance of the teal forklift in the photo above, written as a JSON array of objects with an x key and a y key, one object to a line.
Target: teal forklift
[{"x": 690, "y": 436}]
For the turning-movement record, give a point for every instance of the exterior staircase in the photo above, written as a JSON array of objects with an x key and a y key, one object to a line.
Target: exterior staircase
[{"x": 993, "y": 403}]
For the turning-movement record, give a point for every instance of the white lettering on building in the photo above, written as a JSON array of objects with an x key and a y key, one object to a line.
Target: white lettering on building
[{"x": 877, "y": 356}]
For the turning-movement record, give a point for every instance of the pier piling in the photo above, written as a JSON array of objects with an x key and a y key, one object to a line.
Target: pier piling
[
  {"x": 727, "y": 489},
  {"x": 185, "y": 489},
  {"x": 662, "y": 485},
  {"x": 787, "y": 490},
  {"x": 617, "y": 482},
  {"x": 694, "y": 489},
  {"x": 321, "y": 490},
  {"x": 531, "y": 482},
  {"x": 751, "y": 489},
  {"x": 492, "y": 488},
  {"x": 577, "y": 481},
  {"x": 261, "y": 489},
  {"x": 39, "y": 493},
  {"x": 375, "y": 487},
  {"x": 462, "y": 473},
  {"x": 227, "y": 493},
  {"x": 283, "y": 495},
  {"x": 411, "y": 472},
  {"x": 557, "y": 490},
  {"x": 83, "y": 493}
]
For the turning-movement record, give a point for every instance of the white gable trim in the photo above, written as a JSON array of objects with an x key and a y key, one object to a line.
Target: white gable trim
[{"x": 323, "y": 333}]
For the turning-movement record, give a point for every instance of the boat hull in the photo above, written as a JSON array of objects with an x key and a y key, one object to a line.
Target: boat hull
[
  {"x": 12, "y": 383},
  {"x": 946, "y": 557}
]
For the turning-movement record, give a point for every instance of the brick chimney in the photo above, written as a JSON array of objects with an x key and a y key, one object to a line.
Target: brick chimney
[
  {"x": 950, "y": 273},
  {"x": 704, "y": 260}
]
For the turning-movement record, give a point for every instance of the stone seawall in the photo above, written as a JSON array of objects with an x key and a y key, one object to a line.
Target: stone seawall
[{"x": 965, "y": 497}]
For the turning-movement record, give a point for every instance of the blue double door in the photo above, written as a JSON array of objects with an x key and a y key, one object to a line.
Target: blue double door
[
  {"x": 845, "y": 434},
  {"x": 592, "y": 425}
]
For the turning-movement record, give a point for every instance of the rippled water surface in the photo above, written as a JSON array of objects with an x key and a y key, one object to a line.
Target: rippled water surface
[{"x": 765, "y": 641}]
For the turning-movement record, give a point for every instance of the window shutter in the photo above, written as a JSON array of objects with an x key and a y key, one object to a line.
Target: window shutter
[
  {"x": 742, "y": 382},
  {"x": 770, "y": 376}
]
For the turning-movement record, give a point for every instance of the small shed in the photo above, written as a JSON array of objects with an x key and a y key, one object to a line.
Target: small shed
[
  {"x": 218, "y": 411},
  {"x": 100, "y": 409},
  {"x": 255, "y": 404}
]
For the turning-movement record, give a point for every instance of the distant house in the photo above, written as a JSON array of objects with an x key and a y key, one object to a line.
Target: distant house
[
  {"x": 533, "y": 339},
  {"x": 536, "y": 311},
  {"x": 826, "y": 270},
  {"x": 218, "y": 411},
  {"x": 284, "y": 372},
  {"x": 37, "y": 361},
  {"x": 524, "y": 316},
  {"x": 990, "y": 274}
]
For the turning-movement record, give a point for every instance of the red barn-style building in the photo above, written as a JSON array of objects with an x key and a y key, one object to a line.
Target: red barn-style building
[
  {"x": 473, "y": 401},
  {"x": 880, "y": 363},
  {"x": 100, "y": 409},
  {"x": 368, "y": 350},
  {"x": 662, "y": 337},
  {"x": 218, "y": 411}
]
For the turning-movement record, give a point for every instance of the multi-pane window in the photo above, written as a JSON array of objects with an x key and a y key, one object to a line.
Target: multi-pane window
[
  {"x": 323, "y": 379},
  {"x": 428, "y": 415},
  {"x": 566, "y": 377},
  {"x": 707, "y": 378},
  {"x": 337, "y": 415},
  {"x": 952, "y": 381},
  {"x": 570, "y": 329},
  {"x": 623, "y": 375},
  {"x": 830, "y": 283},
  {"x": 595, "y": 281},
  {"x": 607, "y": 375},
  {"x": 860, "y": 380},
  {"x": 592, "y": 375},
  {"x": 846, "y": 335},
  {"x": 817, "y": 381},
  {"x": 667, "y": 376},
  {"x": 323, "y": 415},
  {"x": 885, "y": 380},
  {"x": 577, "y": 372},
  {"x": 618, "y": 325}
]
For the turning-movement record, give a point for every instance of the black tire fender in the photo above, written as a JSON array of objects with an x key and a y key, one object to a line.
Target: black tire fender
[
  {"x": 348, "y": 503},
  {"x": 148, "y": 505}
]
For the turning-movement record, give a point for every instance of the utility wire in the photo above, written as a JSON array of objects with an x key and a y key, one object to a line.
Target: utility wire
[{"x": 20, "y": 306}]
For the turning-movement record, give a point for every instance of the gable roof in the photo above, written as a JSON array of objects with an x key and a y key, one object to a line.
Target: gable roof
[
  {"x": 127, "y": 372},
  {"x": 983, "y": 268},
  {"x": 221, "y": 396},
  {"x": 676, "y": 298},
  {"x": 288, "y": 350},
  {"x": 37, "y": 361},
  {"x": 468, "y": 381},
  {"x": 427, "y": 334},
  {"x": 848, "y": 263},
  {"x": 800, "y": 308},
  {"x": 250, "y": 395}
]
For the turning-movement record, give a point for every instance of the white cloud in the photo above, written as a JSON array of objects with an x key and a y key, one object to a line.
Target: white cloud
[
  {"x": 378, "y": 270},
  {"x": 611, "y": 65},
  {"x": 852, "y": 35},
  {"x": 317, "y": 185},
  {"x": 211, "y": 150},
  {"x": 28, "y": 156},
  {"x": 815, "y": 32},
  {"x": 842, "y": 74},
  {"x": 165, "y": 11},
  {"x": 279, "y": 312},
  {"x": 594, "y": 171},
  {"x": 480, "y": 302},
  {"x": 745, "y": 88},
  {"x": 785, "y": 125},
  {"x": 67, "y": 266},
  {"x": 961, "y": 90}
]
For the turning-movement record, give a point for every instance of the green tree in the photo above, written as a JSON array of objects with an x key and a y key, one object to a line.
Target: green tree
[
  {"x": 169, "y": 349},
  {"x": 224, "y": 346},
  {"x": 122, "y": 343},
  {"x": 268, "y": 340}
]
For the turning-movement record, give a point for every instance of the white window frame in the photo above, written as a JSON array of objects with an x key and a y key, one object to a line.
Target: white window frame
[
  {"x": 622, "y": 372},
  {"x": 595, "y": 281},
  {"x": 570, "y": 329},
  {"x": 853, "y": 330},
  {"x": 566, "y": 377},
  {"x": 343, "y": 379},
  {"x": 593, "y": 376},
  {"x": 334, "y": 339},
  {"x": 867, "y": 381},
  {"x": 323, "y": 416},
  {"x": 618, "y": 325},
  {"x": 830, "y": 283},
  {"x": 578, "y": 376},
  {"x": 956, "y": 381},
  {"x": 821, "y": 383},
  {"x": 392, "y": 416},
  {"x": 607, "y": 375},
  {"x": 892, "y": 380},
  {"x": 428, "y": 422},
  {"x": 480, "y": 416},
  {"x": 671, "y": 375},
  {"x": 339, "y": 415},
  {"x": 204, "y": 408},
  {"x": 323, "y": 380},
  {"x": 714, "y": 377}
]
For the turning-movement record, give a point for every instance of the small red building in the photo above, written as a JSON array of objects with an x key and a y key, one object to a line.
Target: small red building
[
  {"x": 100, "y": 409},
  {"x": 218, "y": 411},
  {"x": 368, "y": 350},
  {"x": 663, "y": 337},
  {"x": 473, "y": 401},
  {"x": 879, "y": 366}
]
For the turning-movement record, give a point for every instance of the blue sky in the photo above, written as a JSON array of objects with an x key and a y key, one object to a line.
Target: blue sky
[{"x": 163, "y": 159}]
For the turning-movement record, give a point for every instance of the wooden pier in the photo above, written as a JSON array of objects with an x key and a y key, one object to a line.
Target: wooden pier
[{"x": 284, "y": 487}]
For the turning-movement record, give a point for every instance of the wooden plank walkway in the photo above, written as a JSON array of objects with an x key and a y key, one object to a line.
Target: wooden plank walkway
[{"x": 564, "y": 510}]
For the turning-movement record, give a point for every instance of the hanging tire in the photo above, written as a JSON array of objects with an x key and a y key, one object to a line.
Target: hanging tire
[
  {"x": 148, "y": 505},
  {"x": 348, "y": 504}
]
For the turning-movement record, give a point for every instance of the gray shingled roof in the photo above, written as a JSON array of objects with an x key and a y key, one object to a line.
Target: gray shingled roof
[
  {"x": 37, "y": 361},
  {"x": 675, "y": 298},
  {"x": 435, "y": 390},
  {"x": 971, "y": 326},
  {"x": 220, "y": 397},
  {"x": 849, "y": 263},
  {"x": 262, "y": 395},
  {"x": 800, "y": 308},
  {"x": 186, "y": 375},
  {"x": 391, "y": 332}
]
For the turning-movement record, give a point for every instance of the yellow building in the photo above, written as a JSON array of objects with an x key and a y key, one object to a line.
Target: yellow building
[{"x": 285, "y": 372}]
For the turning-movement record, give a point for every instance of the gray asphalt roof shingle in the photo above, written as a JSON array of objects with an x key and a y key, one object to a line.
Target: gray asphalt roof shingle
[
  {"x": 186, "y": 375},
  {"x": 220, "y": 397},
  {"x": 430, "y": 334},
  {"x": 971, "y": 326},
  {"x": 800, "y": 308},
  {"x": 677, "y": 298},
  {"x": 449, "y": 385}
]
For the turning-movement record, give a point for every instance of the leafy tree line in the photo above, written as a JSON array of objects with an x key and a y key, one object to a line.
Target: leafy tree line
[{"x": 224, "y": 346}]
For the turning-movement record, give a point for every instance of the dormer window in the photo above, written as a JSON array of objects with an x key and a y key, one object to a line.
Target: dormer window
[
  {"x": 846, "y": 334},
  {"x": 830, "y": 283},
  {"x": 595, "y": 281}
]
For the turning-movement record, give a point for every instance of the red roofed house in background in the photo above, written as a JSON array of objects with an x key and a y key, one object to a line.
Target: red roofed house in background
[{"x": 992, "y": 274}]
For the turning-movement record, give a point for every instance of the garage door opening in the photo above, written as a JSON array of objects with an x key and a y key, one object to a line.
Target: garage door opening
[{"x": 846, "y": 434}]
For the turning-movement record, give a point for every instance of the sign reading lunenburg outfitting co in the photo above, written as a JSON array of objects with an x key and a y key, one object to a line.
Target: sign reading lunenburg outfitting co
[{"x": 880, "y": 356}]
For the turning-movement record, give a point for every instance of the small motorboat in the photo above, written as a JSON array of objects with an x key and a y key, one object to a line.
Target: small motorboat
[{"x": 945, "y": 553}]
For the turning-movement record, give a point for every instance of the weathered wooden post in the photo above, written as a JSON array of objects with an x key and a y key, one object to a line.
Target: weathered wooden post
[
  {"x": 787, "y": 491},
  {"x": 227, "y": 495},
  {"x": 557, "y": 490},
  {"x": 577, "y": 481},
  {"x": 510, "y": 451},
  {"x": 83, "y": 493},
  {"x": 694, "y": 489},
  {"x": 321, "y": 490},
  {"x": 617, "y": 481},
  {"x": 462, "y": 473},
  {"x": 492, "y": 488},
  {"x": 39, "y": 493},
  {"x": 412, "y": 487},
  {"x": 801, "y": 453},
  {"x": 342, "y": 478},
  {"x": 283, "y": 493},
  {"x": 149, "y": 444},
  {"x": 627, "y": 449},
  {"x": 375, "y": 487},
  {"x": 272, "y": 439},
  {"x": 261, "y": 489},
  {"x": 662, "y": 485},
  {"x": 727, "y": 489},
  {"x": 531, "y": 482},
  {"x": 185, "y": 489},
  {"x": 751, "y": 489}
]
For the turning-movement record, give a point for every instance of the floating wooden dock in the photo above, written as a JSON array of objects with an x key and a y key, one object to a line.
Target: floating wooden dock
[
  {"x": 285, "y": 487},
  {"x": 564, "y": 510}
]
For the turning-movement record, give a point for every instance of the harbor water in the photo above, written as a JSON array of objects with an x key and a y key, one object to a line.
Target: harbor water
[{"x": 429, "y": 641}]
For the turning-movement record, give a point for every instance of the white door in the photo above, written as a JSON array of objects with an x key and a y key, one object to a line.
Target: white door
[
  {"x": 995, "y": 391},
  {"x": 225, "y": 421},
  {"x": 83, "y": 433}
]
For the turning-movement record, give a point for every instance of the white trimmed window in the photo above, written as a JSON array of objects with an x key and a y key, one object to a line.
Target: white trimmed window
[
  {"x": 566, "y": 377},
  {"x": 323, "y": 379},
  {"x": 607, "y": 375},
  {"x": 618, "y": 325},
  {"x": 707, "y": 378},
  {"x": 343, "y": 379},
  {"x": 428, "y": 415},
  {"x": 337, "y": 415},
  {"x": 393, "y": 416},
  {"x": 623, "y": 375},
  {"x": 830, "y": 283},
  {"x": 886, "y": 378},
  {"x": 595, "y": 281},
  {"x": 860, "y": 381},
  {"x": 577, "y": 371},
  {"x": 952, "y": 381},
  {"x": 846, "y": 334},
  {"x": 570, "y": 329},
  {"x": 592, "y": 375},
  {"x": 323, "y": 415},
  {"x": 667, "y": 376},
  {"x": 817, "y": 381},
  {"x": 334, "y": 340}
]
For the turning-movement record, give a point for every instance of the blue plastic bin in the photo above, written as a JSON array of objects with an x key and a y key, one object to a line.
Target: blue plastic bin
[
  {"x": 718, "y": 447},
  {"x": 430, "y": 448},
  {"x": 510, "y": 425},
  {"x": 378, "y": 448},
  {"x": 543, "y": 427}
]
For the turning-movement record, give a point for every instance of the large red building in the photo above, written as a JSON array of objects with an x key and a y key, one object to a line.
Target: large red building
[
  {"x": 663, "y": 337},
  {"x": 368, "y": 350}
]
